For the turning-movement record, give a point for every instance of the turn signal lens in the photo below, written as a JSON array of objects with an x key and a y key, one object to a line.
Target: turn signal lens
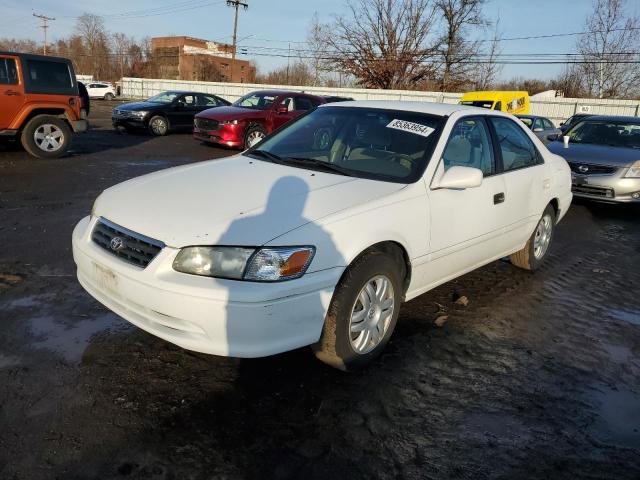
[{"x": 283, "y": 263}]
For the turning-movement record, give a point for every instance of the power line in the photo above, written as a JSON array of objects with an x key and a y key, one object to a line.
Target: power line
[
  {"x": 235, "y": 4},
  {"x": 44, "y": 27}
]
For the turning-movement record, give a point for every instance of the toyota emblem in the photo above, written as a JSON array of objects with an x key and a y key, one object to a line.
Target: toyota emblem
[
  {"x": 116, "y": 244},
  {"x": 583, "y": 168}
]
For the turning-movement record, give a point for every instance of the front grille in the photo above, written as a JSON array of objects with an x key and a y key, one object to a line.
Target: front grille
[
  {"x": 593, "y": 191},
  {"x": 590, "y": 169},
  {"x": 132, "y": 247},
  {"x": 206, "y": 124}
]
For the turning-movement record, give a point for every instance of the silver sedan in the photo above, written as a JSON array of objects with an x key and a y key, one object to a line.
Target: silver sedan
[
  {"x": 542, "y": 127},
  {"x": 604, "y": 155}
]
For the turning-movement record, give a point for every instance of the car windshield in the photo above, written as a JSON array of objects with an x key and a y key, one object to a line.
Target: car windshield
[
  {"x": 615, "y": 133},
  {"x": 379, "y": 144},
  {"x": 164, "y": 97},
  {"x": 256, "y": 101},
  {"x": 478, "y": 103}
]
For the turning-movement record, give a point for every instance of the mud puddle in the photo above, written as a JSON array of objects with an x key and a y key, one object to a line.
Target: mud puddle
[{"x": 618, "y": 420}]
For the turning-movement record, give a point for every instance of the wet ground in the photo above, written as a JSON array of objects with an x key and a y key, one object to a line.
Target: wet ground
[{"x": 538, "y": 376}]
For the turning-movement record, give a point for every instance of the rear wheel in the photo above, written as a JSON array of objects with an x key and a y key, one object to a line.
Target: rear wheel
[
  {"x": 109, "y": 96},
  {"x": 535, "y": 251},
  {"x": 158, "y": 125},
  {"x": 46, "y": 136},
  {"x": 363, "y": 312}
]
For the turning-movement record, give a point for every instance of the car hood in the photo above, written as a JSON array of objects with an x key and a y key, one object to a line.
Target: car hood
[
  {"x": 135, "y": 106},
  {"x": 234, "y": 201},
  {"x": 595, "y": 154},
  {"x": 229, "y": 113}
]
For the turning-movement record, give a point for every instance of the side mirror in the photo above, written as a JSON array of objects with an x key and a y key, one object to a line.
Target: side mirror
[
  {"x": 459, "y": 178},
  {"x": 538, "y": 129},
  {"x": 561, "y": 123},
  {"x": 553, "y": 137},
  {"x": 282, "y": 109}
]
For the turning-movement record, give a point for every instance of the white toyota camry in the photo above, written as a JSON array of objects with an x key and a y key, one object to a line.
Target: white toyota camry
[{"x": 316, "y": 235}]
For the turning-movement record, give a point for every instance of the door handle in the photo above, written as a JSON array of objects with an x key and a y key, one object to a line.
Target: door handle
[
  {"x": 11, "y": 92},
  {"x": 498, "y": 198}
]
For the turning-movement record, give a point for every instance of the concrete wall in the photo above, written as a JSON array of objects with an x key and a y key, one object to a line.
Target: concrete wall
[{"x": 557, "y": 109}]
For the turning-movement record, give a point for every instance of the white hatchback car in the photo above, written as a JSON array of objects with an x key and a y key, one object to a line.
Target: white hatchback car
[{"x": 316, "y": 235}]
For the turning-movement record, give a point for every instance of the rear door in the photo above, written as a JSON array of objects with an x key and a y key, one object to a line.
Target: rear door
[
  {"x": 526, "y": 177},
  {"x": 184, "y": 109},
  {"x": 12, "y": 95}
]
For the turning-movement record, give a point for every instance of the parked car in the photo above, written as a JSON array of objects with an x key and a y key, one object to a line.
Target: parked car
[
  {"x": 542, "y": 127},
  {"x": 101, "y": 90},
  {"x": 252, "y": 117},
  {"x": 167, "y": 111},
  {"x": 604, "y": 156},
  {"x": 571, "y": 121},
  {"x": 319, "y": 233},
  {"x": 335, "y": 98},
  {"x": 40, "y": 103}
]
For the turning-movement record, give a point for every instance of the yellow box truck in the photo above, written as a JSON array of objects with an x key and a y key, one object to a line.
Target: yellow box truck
[{"x": 510, "y": 102}]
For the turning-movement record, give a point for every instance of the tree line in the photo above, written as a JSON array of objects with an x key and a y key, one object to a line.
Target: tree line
[{"x": 434, "y": 45}]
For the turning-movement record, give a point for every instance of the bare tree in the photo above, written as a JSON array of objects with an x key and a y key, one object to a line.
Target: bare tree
[
  {"x": 609, "y": 50},
  {"x": 315, "y": 50},
  {"x": 121, "y": 43},
  {"x": 458, "y": 17},
  {"x": 90, "y": 28},
  {"x": 383, "y": 43},
  {"x": 487, "y": 72}
]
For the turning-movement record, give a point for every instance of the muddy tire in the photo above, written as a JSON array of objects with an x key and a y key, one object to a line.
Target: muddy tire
[
  {"x": 254, "y": 135},
  {"x": 158, "y": 125},
  {"x": 46, "y": 136},
  {"x": 535, "y": 251},
  {"x": 362, "y": 315}
]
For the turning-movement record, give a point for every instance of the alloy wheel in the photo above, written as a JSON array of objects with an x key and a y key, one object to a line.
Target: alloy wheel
[
  {"x": 48, "y": 137},
  {"x": 159, "y": 126},
  {"x": 371, "y": 314},
  {"x": 543, "y": 237},
  {"x": 254, "y": 137}
]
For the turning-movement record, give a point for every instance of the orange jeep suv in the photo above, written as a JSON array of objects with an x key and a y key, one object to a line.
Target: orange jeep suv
[{"x": 40, "y": 103}]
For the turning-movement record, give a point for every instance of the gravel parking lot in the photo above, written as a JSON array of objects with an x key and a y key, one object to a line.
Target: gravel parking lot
[{"x": 499, "y": 374}]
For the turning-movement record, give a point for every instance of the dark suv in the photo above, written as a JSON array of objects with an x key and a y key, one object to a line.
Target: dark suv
[{"x": 40, "y": 103}]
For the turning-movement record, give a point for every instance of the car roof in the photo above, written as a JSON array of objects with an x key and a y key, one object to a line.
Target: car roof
[
  {"x": 432, "y": 108},
  {"x": 615, "y": 118},
  {"x": 526, "y": 115}
]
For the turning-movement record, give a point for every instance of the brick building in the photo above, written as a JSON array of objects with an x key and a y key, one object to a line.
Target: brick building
[{"x": 187, "y": 58}]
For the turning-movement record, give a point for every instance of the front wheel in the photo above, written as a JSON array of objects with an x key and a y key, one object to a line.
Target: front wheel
[
  {"x": 254, "y": 135},
  {"x": 535, "y": 251},
  {"x": 363, "y": 311},
  {"x": 158, "y": 125}
]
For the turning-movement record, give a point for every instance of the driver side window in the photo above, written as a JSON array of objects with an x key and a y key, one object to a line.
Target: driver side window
[{"x": 469, "y": 145}]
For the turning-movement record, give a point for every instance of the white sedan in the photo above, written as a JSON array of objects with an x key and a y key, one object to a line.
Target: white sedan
[{"x": 316, "y": 235}]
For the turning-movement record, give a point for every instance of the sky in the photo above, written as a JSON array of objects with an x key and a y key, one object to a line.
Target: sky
[{"x": 278, "y": 23}]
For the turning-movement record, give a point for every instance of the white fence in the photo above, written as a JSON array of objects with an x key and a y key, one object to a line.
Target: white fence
[{"x": 557, "y": 109}]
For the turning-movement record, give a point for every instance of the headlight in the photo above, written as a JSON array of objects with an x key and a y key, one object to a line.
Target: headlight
[
  {"x": 229, "y": 122},
  {"x": 140, "y": 114},
  {"x": 93, "y": 207},
  {"x": 634, "y": 170},
  {"x": 238, "y": 263}
]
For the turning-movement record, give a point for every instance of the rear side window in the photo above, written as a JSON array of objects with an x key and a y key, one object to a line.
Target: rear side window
[
  {"x": 516, "y": 147},
  {"x": 46, "y": 74},
  {"x": 469, "y": 145},
  {"x": 548, "y": 125},
  {"x": 303, "y": 103},
  {"x": 8, "y": 71}
]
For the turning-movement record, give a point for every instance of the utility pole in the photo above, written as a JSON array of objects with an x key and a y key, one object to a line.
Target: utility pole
[
  {"x": 44, "y": 27},
  {"x": 236, "y": 4}
]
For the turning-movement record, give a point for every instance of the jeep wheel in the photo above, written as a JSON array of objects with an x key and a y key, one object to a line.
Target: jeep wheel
[
  {"x": 46, "y": 136},
  {"x": 109, "y": 96},
  {"x": 158, "y": 125}
]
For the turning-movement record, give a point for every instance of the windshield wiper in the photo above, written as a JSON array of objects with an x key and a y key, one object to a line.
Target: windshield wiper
[
  {"x": 272, "y": 157},
  {"x": 312, "y": 162}
]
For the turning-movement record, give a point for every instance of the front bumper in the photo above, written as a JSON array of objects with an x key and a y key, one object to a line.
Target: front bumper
[
  {"x": 131, "y": 122},
  {"x": 229, "y": 136},
  {"x": 607, "y": 188},
  {"x": 215, "y": 316}
]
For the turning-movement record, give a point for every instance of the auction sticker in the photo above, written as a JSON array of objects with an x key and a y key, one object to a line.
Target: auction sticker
[{"x": 411, "y": 127}]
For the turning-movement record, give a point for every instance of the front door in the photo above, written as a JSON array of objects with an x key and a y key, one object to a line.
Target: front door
[
  {"x": 466, "y": 225},
  {"x": 184, "y": 109},
  {"x": 11, "y": 92}
]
